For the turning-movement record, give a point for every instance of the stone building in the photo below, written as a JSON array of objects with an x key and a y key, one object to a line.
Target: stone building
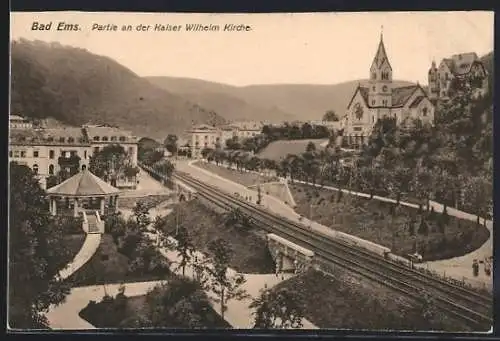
[
  {"x": 380, "y": 97},
  {"x": 47, "y": 151},
  {"x": 463, "y": 66}
]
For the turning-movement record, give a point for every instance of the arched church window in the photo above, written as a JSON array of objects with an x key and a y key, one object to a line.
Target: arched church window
[
  {"x": 51, "y": 169},
  {"x": 35, "y": 168}
]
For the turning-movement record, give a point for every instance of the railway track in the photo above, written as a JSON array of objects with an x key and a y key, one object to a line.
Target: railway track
[{"x": 472, "y": 307}]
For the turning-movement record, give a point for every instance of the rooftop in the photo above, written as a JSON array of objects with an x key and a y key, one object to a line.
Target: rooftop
[
  {"x": 400, "y": 95},
  {"x": 16, "y": 118},
  {"x": 83, "y": 184}
]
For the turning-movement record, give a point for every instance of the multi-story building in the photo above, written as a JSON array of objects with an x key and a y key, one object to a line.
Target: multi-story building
[
  {"x": 379, "y": 98},
  {"x": 205, "y": 136},
  {"x": 49, "y": 151},
  {"x": 102, "y": 136},
  {"x": 463, "y": 66}
]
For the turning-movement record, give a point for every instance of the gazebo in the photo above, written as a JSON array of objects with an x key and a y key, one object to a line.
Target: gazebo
[{"x": 83, "y": 191}]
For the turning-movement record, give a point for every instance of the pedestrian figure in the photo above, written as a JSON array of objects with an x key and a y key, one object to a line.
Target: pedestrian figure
[
  {"x": 487, "y": 267},
  {"x": 475, "y": 268}
]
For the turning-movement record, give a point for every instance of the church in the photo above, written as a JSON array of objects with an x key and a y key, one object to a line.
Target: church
[{"x": 379, "y": 97}]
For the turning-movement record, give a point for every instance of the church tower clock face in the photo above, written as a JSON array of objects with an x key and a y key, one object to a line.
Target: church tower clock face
[{"x": 358, "y": 111}]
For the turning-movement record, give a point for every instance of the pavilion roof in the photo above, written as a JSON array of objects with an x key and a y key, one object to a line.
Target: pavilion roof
[{"x": 83, "y": 184}]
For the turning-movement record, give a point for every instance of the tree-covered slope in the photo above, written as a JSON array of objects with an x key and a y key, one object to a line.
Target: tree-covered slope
[{"x": 76, "y": 87}]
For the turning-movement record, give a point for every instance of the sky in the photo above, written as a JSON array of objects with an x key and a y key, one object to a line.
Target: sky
[{"x": 312, "y": 48}]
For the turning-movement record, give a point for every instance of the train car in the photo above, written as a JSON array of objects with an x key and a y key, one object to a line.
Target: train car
[{"x": 363, "y": 243}]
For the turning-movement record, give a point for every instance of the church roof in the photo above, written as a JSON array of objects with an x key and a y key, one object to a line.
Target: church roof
[
  {"x": 400, "y": 95},
  {"x": 83, "y": 184},
  {"x": 381, "y": 55},
  {"x": 416, "y": 101}
]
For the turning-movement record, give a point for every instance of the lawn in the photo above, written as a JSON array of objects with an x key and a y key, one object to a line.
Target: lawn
[
  {"x": 137, "y": 310},
  {"x": 108, "y": 265},
  {"x": 251, "y": 254},
  {"x": 244, "y": 178},
  {"x": 371, "y": 220},
  {"x": 344, "y": 300},
  {"x": 278, "y": 150}
]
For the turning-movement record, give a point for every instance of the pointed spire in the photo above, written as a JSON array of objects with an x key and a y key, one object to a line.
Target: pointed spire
[{"x": 381, "y": 54}]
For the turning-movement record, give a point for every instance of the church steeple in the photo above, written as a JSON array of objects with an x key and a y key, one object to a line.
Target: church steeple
[
  {"x": 380, "y": 91},
  {"x": 381, "y": 55}
]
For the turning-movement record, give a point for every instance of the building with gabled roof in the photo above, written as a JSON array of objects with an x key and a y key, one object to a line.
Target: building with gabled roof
[
  {"x": 463, "y": 66},
  {"x": 379, "y": 98}
]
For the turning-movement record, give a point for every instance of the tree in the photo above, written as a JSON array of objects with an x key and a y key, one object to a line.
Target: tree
[
  {"x": 330, "y": 116},
  {"x": 171, "y": 143},
  {"x": 37, "y": 252},
  {"x": 311, "y": 147},
  {"x": 278, "y": 309},
  {"x": 226, "y": 287},
  {"x": 180, "y": 304},
  {"x": 141, "y": 214},
  {"x": 184, "y": 247},
  {"x": 236, "y": 218},
  {"x": 109, "y": 162}
]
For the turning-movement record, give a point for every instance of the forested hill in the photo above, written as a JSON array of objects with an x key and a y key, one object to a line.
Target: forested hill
[{"x": 75, "y": 86}]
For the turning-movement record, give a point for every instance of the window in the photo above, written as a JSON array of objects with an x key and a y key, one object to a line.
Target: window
[
  {"x": 446, "y": 76},
  {"x": 130, "y": 150},
  {"x": 50, "y": 139},
  {"x": 374, "y": 75},
  {"x": 96, "y": 150},
  {"x": 51, "y": 154},
  {"x": 35, "y": 169},
  {"x": 122, "y": 138},
  {"x": 85, "y": 154},
  {"x": 51, "y": 169},
  {"x": 72, "y": 153},
  {"x": 373, "y": 102},
  {"x": 35, "y": 153},
  {"x": 61, "y": 139},
  {"x": 424, "y": 112},
  {"x": 71, "y": 140},
  {"x": 373, "y": 119},
  {"x": 10, "y": 153},
  {"x": 96, "y": 138},
  {"x": 23, "y": 153},
  {"x": 104, "y": 138},
  {"x": 84, "y": 167},
  {"x": 113, "y": 138}
]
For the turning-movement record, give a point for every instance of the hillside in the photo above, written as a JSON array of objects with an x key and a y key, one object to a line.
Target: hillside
[
  {"x": 276, "y": 102},
  {"x": 222, "y": 99},
  {"x": 75, "y": 86}
]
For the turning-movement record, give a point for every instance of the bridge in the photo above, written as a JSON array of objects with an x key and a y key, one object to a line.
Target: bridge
[{"x": 289, "y": 256}]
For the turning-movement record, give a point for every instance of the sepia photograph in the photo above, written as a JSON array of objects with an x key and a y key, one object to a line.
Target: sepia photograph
[{"x": 315, "y": 171}]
